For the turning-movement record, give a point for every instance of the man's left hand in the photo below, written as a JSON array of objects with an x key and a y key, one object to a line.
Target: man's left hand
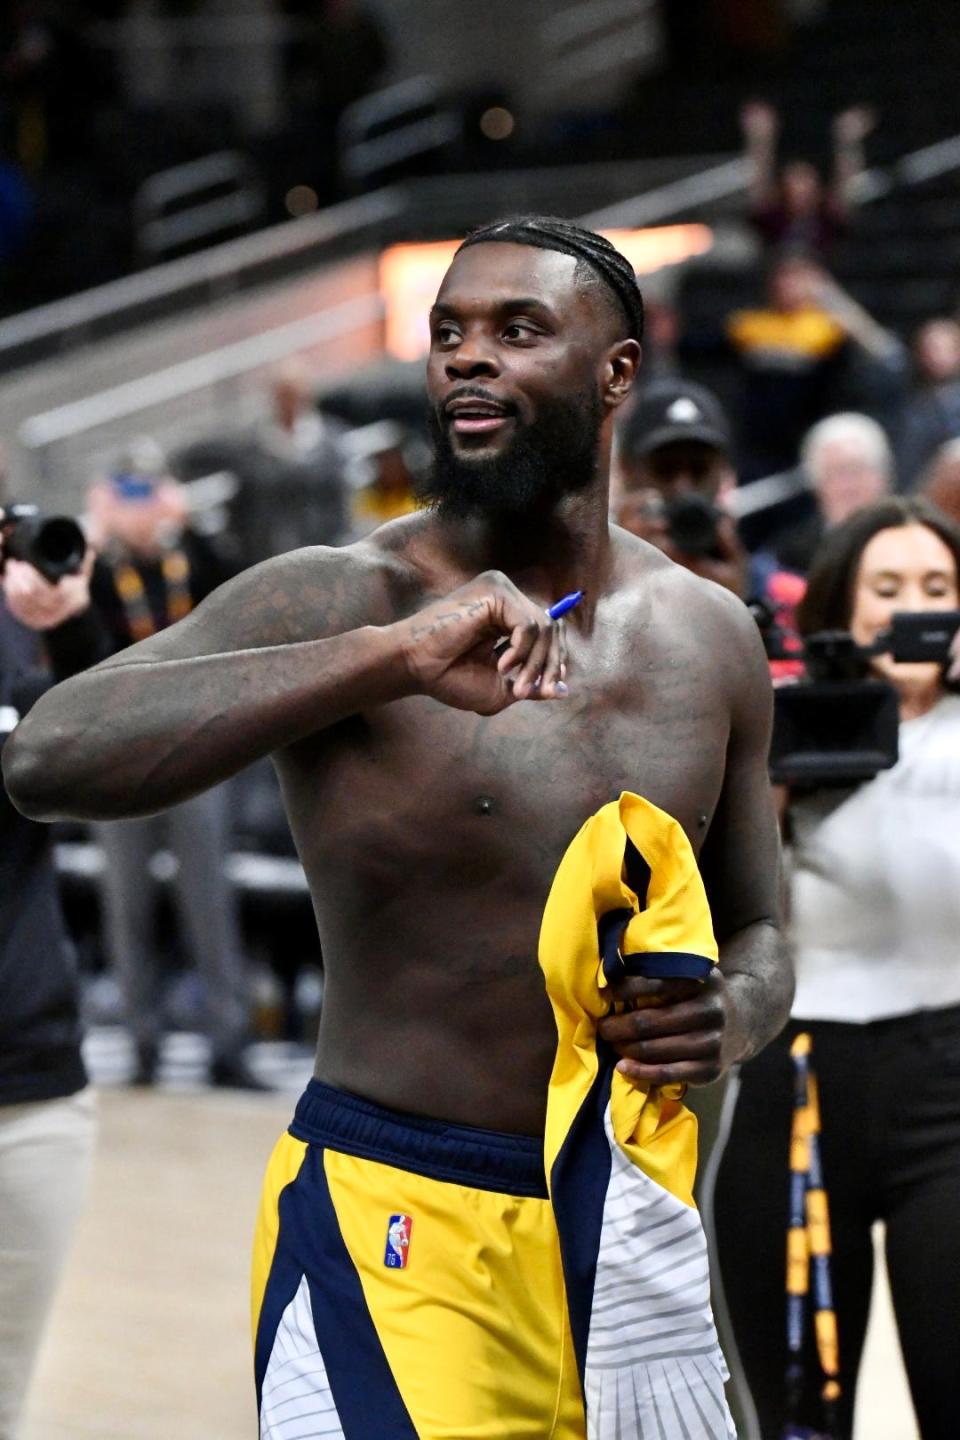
[
  {"x": 687, "y": 1037},
  {"x": 41, "y": 605}
]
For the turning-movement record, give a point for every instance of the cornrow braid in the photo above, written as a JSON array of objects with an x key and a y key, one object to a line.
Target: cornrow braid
[{"x": 547, "y": 232}]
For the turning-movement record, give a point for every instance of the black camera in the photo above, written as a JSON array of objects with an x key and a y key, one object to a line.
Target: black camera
[
  {"x": 53, "y": 544},
  {"x": 840, "y": 726},
  {"x": 692, "y": 523}
]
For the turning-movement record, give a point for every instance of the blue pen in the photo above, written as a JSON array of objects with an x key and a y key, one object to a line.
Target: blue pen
[
  {"x": 560, "y": 609},
  {"x": 554, "y": 612}
]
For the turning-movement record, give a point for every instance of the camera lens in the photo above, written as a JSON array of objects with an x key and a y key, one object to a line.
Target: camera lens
[
  {"x": 55, "y": 545},
  {"x": 692, "y": 522}
]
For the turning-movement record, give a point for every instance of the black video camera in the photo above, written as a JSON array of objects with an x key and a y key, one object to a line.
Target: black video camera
[
  {"x": 840, "y": 726},
  {"x": 53, "y": 544}
]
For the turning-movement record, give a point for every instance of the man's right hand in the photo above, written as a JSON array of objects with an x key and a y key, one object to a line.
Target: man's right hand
[
  {"x": 40, "y": 604},
  {"x": 449, "y": 647}
]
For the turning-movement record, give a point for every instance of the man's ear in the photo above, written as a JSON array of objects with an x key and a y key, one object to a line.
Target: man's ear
[{"x": 620, "y": 371}]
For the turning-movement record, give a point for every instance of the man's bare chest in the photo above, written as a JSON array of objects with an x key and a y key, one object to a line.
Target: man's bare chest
[
  {"x": 420, "y": 778},
  {"x": 576, "y": 754}
]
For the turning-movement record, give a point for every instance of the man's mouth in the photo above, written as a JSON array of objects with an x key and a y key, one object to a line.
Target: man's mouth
[{"x": 470, "y": 416}]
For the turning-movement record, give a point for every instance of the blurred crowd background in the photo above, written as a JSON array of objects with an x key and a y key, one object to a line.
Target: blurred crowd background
[{"x": 219, "y": 225}]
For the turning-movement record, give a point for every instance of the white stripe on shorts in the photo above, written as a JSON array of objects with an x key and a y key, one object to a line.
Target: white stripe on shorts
[{"x": 297, "y": 1401}]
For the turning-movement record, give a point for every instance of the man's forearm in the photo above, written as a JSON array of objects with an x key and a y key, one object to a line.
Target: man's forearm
[
  {"x": 759, "y": 981},
  {"x": 132, "y": 738}
]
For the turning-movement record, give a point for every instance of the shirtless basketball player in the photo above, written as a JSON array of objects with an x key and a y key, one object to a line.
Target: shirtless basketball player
[{"x": 433, "y": 783}]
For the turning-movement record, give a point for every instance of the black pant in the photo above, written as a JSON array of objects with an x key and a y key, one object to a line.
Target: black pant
[{"x": 890, "y": 1113}]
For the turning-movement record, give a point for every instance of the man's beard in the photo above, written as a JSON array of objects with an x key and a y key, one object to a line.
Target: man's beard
[{"x": 554, "y": 457}]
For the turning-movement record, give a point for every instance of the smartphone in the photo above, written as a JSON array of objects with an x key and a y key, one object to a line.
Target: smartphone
[{"x": 918, "y": 635}]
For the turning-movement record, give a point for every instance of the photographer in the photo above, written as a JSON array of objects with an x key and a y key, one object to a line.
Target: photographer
[
  {"x": 875, "y": 915},
  {"x": 47, "y": 1119},
  {"x": 153, "y": 569},
  {"x": 674, "y": 457}
]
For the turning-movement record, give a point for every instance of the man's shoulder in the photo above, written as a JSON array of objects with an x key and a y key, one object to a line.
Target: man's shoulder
[
  {"x": 680, "y": 600},
  {"x": 645, "y": 570},
  {"x": 714, "y": 610},
  {"x": 324, "y": 589}
]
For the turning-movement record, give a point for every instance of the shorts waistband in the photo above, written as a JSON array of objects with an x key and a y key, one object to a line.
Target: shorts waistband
[{"x": 458, "y": 1154}]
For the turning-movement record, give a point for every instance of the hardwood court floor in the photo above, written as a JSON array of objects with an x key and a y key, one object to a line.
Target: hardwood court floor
[{"x": 149, "y": 1337}]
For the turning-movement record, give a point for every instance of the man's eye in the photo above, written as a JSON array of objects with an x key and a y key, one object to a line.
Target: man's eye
[
  {"x": 445, "y": 334},
  {"x": 520, "y": 330}
]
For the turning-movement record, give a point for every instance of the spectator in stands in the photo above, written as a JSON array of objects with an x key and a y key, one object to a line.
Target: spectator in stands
[
  {"x": 152, "y": 571},
  {"x": 793, "y": 356},
  {"x": 942, "y": 484},
  {"x": 675, "y": 469},
  {"x": 394, "y": 463},
  {"x": 47, "y": 1116},
  {"x": 661, "y": 338},
  {"x": 54, "y": 80},
  {"x": 931, "y": 414},
  {"x": 291, "y": 473},
  {"x": 874, "y": 914},
  {"x": 792, "y": 207},
  {"x": 846, "y": 463}
]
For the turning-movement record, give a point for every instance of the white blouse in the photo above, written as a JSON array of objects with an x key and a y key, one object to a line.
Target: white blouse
[{"x": 875, "y": 888}]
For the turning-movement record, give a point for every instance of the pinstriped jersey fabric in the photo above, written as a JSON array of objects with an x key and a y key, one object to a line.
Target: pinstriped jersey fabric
[{"x": 621, "y": 1159}]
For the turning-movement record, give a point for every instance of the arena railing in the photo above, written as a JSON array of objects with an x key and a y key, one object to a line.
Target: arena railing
[
  {"x": 601, "y": 40},
  {"x": 134, "y": 397},
  {"x": 679, "y": 197},
  {"x": 212, "y": 274},
  {"x": 393, "y": 125},
  {"x": 200, "y": 200}
]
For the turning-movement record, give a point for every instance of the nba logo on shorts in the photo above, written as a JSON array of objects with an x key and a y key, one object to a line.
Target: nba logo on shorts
[{"x": 398, "y": 1242}]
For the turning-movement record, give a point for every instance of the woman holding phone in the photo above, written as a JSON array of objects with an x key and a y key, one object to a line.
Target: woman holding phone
[{"x": 874, "y": 899}]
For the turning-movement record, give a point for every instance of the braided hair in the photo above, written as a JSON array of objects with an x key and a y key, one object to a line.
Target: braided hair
[{"x": 594, "y": 254}]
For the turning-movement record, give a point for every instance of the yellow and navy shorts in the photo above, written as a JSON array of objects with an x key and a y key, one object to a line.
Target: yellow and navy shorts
[
  {"x": 416, "y": 1280},
  {"x": 408, "y": 1283}
]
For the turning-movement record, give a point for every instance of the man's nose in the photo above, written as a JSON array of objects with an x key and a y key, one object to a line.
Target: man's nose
[{"x": 475, "y": 355}]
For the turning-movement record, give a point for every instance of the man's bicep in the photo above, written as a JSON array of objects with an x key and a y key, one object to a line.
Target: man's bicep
[
  {"x": 740, "y": 859},
  {"x": 305, "y": 595}
]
